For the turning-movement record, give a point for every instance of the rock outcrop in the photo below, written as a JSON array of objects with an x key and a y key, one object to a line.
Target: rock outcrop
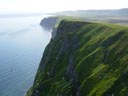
[{"x": 49, "y": 22}]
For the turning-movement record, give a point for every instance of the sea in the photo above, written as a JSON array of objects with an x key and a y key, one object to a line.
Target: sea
[{"x": 22, "y": 42}]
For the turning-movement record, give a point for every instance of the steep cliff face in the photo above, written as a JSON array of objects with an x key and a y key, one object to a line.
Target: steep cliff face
[
  {"x": 84, "y": 59},
  {"x": 49, "y": 23}
]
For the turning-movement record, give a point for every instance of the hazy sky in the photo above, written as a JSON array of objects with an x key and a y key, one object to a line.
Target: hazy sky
[{"x": 20, "y": 6}]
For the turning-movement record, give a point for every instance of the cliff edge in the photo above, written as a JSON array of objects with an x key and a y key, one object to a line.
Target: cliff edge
[{"x": 84, "y": 59}]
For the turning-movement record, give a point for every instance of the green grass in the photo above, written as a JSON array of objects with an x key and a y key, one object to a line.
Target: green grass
[{"x": 89, "y": 57}]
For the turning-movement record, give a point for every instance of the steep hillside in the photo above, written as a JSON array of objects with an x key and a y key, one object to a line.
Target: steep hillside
[{"x": 84, "y": 59}]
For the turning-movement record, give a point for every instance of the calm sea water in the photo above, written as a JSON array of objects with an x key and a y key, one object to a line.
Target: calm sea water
[{"x": 22, "y": 42}]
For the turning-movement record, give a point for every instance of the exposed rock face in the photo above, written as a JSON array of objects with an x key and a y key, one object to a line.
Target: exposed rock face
[
  {"x": 84, "y": 59},
  {"x": 54, "y": 32},
  {"x": 49, "y": 23}
]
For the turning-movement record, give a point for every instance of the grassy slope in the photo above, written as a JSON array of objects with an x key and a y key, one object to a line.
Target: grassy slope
[{"x": 85, "y": 59}]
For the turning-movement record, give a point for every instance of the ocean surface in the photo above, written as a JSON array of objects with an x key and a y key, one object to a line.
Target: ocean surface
[{"x": 22, "y": 42}]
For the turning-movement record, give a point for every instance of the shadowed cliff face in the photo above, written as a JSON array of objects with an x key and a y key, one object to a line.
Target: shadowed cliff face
[
  {"x": 84, "y": 59},
  {"x": 49, "y": 23}
]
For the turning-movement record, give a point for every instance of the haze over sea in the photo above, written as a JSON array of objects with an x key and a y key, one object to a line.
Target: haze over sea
[{"x": 22, "y": 42}]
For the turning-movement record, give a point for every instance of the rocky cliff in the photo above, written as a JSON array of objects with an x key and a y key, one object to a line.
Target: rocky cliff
[
  {"x": 49, "y": 22},
  {"x": 84, "y": 59}
]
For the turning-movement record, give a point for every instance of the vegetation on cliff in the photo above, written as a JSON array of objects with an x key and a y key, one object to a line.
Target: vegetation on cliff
[{"x": 84, "y": 59}]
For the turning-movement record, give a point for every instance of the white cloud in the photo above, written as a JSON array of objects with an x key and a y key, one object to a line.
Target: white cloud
[{"x": 58, "y": 5}]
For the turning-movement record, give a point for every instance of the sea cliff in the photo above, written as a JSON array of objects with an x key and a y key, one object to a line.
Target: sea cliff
[
  {"x": 84, "y": 59},
  {"x": 48, "y": 23}
]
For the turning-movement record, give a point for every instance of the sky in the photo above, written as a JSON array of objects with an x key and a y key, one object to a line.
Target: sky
[{"x": 46, "y": 6}]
